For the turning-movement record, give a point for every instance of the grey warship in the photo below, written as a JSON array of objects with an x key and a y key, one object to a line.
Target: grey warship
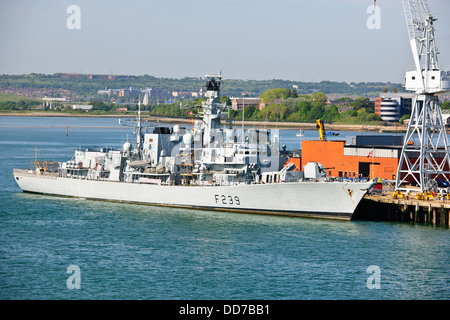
[{"x": 211, "y": 167}]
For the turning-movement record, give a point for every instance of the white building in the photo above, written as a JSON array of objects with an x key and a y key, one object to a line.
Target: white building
[
  {"x": 392, "y": 106},
  {"x": 446, "y": 116},
  {"x": 390, "y": 109},
  {"x": 85, "y": 107},
  {"x": 145, "y": 100}
]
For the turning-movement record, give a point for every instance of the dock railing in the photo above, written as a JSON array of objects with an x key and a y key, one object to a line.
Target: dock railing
[{"x": 35, "y": 173}]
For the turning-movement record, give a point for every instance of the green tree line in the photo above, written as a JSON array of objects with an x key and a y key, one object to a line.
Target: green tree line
[
  {"x": 17, "y": 105},
  {"x": 293, "y": 108},
  {"x": 84, "y": 86}
]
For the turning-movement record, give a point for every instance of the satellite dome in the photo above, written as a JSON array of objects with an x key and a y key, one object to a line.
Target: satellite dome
[
  {"x": 230, "y": 134},
  {"x": 127, "y": 146},
  {"x": 187, "y": 139}
]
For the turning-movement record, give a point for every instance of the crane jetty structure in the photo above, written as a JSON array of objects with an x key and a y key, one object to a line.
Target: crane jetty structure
[
  {"x": 425, "y": 156},
  {"x": 423, "y": 175}
]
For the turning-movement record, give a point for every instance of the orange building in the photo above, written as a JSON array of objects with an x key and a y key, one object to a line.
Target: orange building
[
  {"x": 378, "y": 106},
  {"x": 352, "y": 161},
  {"x": 365, "y": 156}
]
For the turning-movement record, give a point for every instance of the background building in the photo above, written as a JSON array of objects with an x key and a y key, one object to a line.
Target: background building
[
  {"x": 264, "y": 104},
  {"x": 392, "y": 106},
  {"x": 240, "y": 103},
  {"x": 446, "y": 116},
  {"x": 85, "y": 107}
]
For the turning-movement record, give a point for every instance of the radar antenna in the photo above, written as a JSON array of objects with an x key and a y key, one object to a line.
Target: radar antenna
[{"x": 138, "y": 126}]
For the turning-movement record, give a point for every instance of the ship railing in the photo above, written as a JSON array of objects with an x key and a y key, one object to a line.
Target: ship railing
[{"x": 35, "y": 173}]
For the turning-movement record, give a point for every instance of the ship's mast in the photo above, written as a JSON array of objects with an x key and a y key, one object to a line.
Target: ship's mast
[
  {"x": 425, "y": 154},
  {"x": 212, "y": 108},
  {"x": 138, "y": 127}
]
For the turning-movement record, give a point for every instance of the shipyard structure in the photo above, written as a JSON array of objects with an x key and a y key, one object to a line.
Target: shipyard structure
[{"x": 356, "y": 157}]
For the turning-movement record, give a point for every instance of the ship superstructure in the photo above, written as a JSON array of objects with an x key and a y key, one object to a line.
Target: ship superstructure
[
  {"x": 207, "y": 154},
  {"x": 210, "y": 167}
]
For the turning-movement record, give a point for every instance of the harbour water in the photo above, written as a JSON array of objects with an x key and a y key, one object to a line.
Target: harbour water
[{"x": 123, "y": 251}]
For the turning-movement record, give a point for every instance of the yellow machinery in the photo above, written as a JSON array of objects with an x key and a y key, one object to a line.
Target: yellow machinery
[
  {"x": 321, "y": 127},
  {"x": 398, "y": 195},
  {"x": 427, "y": 195}
]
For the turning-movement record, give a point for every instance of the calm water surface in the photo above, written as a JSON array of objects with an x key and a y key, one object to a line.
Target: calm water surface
[{"x": 140, "y": 252}]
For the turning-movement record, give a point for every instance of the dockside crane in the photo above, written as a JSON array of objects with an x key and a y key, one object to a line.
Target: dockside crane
[{"x": 425, "y": 154}]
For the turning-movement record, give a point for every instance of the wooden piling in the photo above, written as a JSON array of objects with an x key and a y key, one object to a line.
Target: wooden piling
[
  {"x": 416, "y": 213},
  {"x": 448, "y": 218},
  {"x": 404, "y": 212},
  {"x": 433, "y": 211}
]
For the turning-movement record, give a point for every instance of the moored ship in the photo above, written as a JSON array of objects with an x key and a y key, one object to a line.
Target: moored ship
[{"x": 210, "y": 167}]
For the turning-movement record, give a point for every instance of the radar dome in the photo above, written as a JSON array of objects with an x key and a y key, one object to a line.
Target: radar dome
[
  {"x": 230, "y": 134},
  {"x": 127, "y": 146},
  {"x": 187, "y": 139}
]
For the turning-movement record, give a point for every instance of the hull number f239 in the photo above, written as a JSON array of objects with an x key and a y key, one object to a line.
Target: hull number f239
[{"x": 227, "y": 200}]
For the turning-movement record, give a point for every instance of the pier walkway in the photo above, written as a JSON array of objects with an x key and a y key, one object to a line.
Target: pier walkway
[{"x": 384, "y": 207}]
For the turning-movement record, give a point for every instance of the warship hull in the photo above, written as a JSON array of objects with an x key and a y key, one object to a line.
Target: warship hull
[{"x": 330, "y": 200}]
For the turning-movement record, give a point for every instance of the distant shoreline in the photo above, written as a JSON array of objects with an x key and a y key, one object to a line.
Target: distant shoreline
[{"x": 278, "y": 125}]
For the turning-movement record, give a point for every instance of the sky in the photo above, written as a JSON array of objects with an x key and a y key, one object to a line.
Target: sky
[{"x": 298, "y": 40}]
